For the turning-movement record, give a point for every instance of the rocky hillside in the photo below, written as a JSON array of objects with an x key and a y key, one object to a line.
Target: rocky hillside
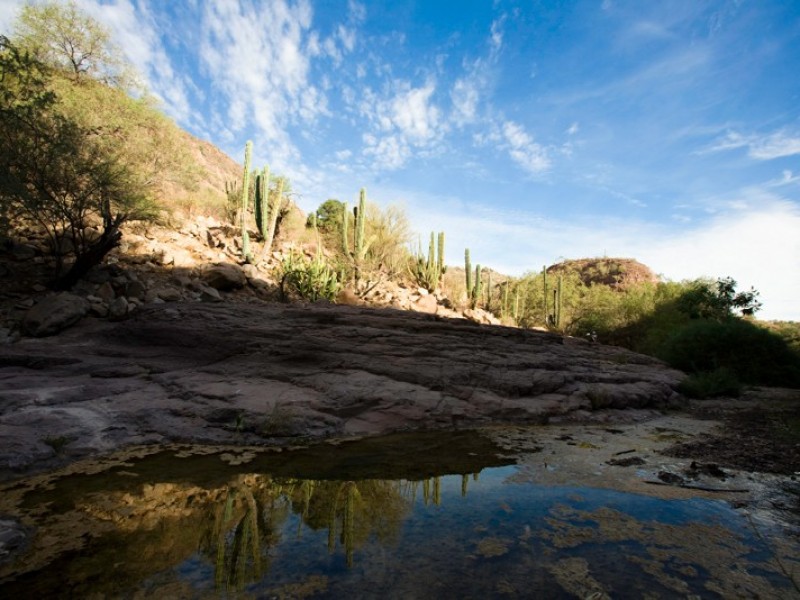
[
  {"x": 199, "y": 261},
  {"x": 613, "y": 272}
]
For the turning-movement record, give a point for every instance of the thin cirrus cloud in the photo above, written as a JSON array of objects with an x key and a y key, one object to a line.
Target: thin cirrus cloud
[{"x": 766, "y": 147}]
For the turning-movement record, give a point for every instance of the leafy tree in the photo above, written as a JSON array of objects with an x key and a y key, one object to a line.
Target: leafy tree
[
  {"x": 718, "y": 300},
  {"x": 62, "y": 36},
  {"x": 329, "y": 216},
  {"x": 59, "y": 173}
]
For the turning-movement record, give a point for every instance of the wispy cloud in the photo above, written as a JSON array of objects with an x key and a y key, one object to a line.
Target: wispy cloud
[
  {"x": 528, "y": 154},
  {"x": 759, "y": 147},
  {"x": 260, "y": 60},
  {"x": 403, "y": 121}
]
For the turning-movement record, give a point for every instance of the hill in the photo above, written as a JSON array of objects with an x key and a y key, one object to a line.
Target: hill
[{"x": 617, "y": 273}]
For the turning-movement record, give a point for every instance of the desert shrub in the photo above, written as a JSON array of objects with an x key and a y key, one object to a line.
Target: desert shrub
[
  {"x": 754, "y": 354},
  {"x": 719, "y": 382}
]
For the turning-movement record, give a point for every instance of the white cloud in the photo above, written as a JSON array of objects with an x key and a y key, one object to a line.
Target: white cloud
[
  {"x": 259, "y": 64},
  {"x": 528, "y": 154},
  {"x": 389, "y": 153},
  {"x": 405, "y": 119},
  {"x": 497, "y": 33},
  {"x": 775, "y": 146},
  {"x": 573, "y": 129},
  {"x": 414, "y": 115},
  {"x": 765, "y": 147},
  {"x": 757, "y": 246},
  {"x": 465, "y": 98},
  {"x": 787, "y": 178}
]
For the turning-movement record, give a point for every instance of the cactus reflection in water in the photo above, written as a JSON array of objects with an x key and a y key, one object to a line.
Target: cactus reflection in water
[{"x": 249, "y": 520}]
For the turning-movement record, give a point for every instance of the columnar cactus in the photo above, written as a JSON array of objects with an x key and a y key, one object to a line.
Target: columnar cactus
[
  {"x": 473, "y": 289},
  {"x": 262, "y": 202},
  {"x": 360, "y": 243},
  {"x": 440, "y": 261},
  {"x": 274, "y": 211},
  {"x": 544, "y": 283},
  {"x": 468, "y": 272},
  {"x": 248, "y": 150},
  {"x": 558, "y": 302}
]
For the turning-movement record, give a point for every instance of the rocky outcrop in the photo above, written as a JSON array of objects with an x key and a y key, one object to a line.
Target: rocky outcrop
[{"x": 264, "y": 373}]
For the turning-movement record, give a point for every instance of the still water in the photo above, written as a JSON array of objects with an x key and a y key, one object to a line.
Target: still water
[{"x": 195, "y": 523}]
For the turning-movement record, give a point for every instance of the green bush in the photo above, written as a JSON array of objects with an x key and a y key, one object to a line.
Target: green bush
[{"x": 756, "y": 355}]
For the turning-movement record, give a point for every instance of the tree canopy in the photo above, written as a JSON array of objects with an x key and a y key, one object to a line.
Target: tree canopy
[{"x": 63, "y": 36}]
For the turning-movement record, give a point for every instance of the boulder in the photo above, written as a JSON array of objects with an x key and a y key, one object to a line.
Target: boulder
[
  {"x": 118, "y": 308},
  {"x": 426, "y": 304},
  {"x": 135, "y": 289},
  {"x": 224, "y": 277},
  {"x": 54, "y": 313}
]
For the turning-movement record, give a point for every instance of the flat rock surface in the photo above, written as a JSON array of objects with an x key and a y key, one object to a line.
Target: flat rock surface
[{"x": 259, "y": 373}]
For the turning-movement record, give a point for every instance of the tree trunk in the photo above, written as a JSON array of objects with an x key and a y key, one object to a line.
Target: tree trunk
[{"x": 93, "y": 255}]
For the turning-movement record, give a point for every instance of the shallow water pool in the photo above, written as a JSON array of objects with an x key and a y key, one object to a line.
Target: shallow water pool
[{"x": 195, "y": 523}]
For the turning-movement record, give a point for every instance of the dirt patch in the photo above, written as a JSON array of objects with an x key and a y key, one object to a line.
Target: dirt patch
[{"x": 759, "y": 433}]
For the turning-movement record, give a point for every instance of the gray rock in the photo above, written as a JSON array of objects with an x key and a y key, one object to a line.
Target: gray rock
[
  {"x": 105, "y": 292},
  {"x": 209, "y": 294},
  {"x": 135, "y": 289},
  {"x": 54, "y": 313},
  {"x": 224, "y": 277},
  {"x": 118, "y": 308},
  {"x": 98, "y": 309}
]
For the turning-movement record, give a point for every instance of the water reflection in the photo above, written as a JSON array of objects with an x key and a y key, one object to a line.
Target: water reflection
[
  {"x": 191, "y": 525},
  {"x": 250, "y": 519}
]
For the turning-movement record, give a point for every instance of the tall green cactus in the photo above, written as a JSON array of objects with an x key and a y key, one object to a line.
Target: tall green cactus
[
  {"x": 468, "y": 272},
  {"x": 361, "y": 220},
  {"x": 558, "y": 303},
  {"x": 473, "y": 288},
  {"x": 248, "y": 150},
  {"x": 428, "y": 270},
  {"x": 489, "y": 291},
  {"x": 360, "y": 242},
  {"x": 440, "y": 261},
  {"x": 345, "y": 230},
  {"x": 544, "y": 283},
  {"x": 262, "y": 202},
  {"x": 274, "y": 211}
]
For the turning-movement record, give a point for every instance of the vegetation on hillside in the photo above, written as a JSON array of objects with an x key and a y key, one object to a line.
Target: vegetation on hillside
[{"x": 79, "y": 156}]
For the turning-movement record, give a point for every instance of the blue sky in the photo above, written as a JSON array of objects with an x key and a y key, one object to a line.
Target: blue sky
[{"x": 529, "y": 131}]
